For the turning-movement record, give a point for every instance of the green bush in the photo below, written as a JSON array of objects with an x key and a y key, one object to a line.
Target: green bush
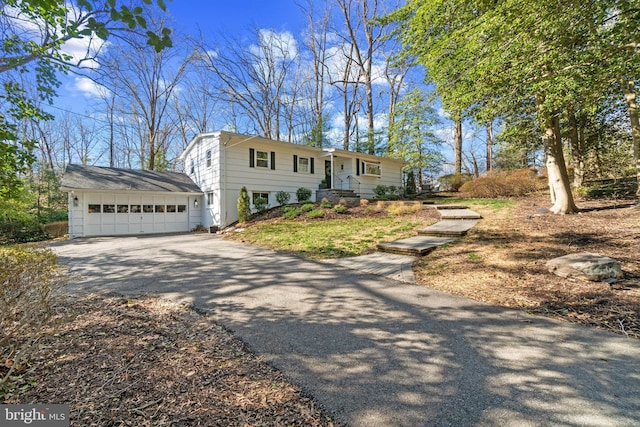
[
  {"x": 291, "y": 213},
  {"x": 261, "y": 204},
  {"x": 410, "y": 186},
  {"x": 282, "y": 197},
  {"x": 341, "y": 209},
  {"x": 303, "y": 194},
  {"x": 244, "y": 205},
  {"x": 32, "y": 282},
  {"x": 454, "y": 181},
  {"x": 316, "y": 213},
  {"x": 380, "y": 190},
  {"x": 326, "y": 205},
  {"x": 21, "y": 229},
  {"x": 307, "y": 207}
]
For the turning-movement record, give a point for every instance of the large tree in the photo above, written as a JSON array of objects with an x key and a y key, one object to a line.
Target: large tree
[
  {"x": 510, "y": 53},
  {"x": 33, "y": 34}
]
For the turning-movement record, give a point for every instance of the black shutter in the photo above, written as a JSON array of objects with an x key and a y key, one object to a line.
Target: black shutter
[
  {"x": 273, "y": 160},
  {"x": 311, "y": 167},
  {"x": 295, "y": 163},
  {"x": 252, "y": 158},
  {"x": 357, "y": 166}
]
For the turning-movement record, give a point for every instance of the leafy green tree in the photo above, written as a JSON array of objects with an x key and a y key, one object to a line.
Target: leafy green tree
[
  {"x": 503, "y": 54},
  {"x": 32, "y": 44},
  {"x": 411, "y": 135}
]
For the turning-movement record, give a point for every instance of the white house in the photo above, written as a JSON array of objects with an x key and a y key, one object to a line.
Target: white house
[
  {"x": 221, "y": 163},
  {"x": 109, "y": 201}
]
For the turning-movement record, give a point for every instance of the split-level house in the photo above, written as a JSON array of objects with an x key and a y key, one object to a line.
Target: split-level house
[{"x": 110, "y": 201}]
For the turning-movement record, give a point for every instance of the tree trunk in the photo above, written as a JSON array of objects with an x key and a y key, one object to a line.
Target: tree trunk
[
  {"x": 457, "y": 142},
  {"x": 632, "y": 105},
  {"x": 576, "y": 150},
  {"x": 489, "y": 146},
  {"x": 559, "y": 187}
]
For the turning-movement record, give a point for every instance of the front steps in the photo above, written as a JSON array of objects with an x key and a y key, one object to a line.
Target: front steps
[{"x": 456, "y": 221}]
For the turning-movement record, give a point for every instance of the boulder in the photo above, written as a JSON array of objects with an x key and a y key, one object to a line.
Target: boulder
[{"x": 587, "y": 266}]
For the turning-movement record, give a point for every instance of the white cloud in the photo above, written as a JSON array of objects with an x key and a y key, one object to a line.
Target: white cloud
[{"x": 89, "y": 88}]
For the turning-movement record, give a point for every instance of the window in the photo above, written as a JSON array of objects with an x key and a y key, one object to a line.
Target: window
[
  {"x": 123, "y": 208},
  {"x": 210, "y": 198},
  {"x": 94, "y": 209},
  {"x": 193, "y": 167},
  {"x": 171, "y": 208},
  {"x": 108, "y": 208},
  {"x": 262, "y": 159},
  {"x": 136, "y": 208},
  {"x": 147, "y": 208},
  {"x": 208, "y": 158},
  {"x": 256, "y": 196},
  {"x": 371, "y": 168},
  {"x": 303, "y": 164},
  {"x": 160, "y": 208},
  {"x": 181, "y": 208}
]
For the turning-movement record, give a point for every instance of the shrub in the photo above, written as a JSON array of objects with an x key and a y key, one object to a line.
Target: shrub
[
  {"x": 454, "y": 181},
  {"x": 364, "y": 202},
  {"x": 392, "y": 189},
  {"x": 57, "y": 229},
  {"x": 32, "y": 282},
  {"x": 504, "y": 184},
  {"x": 341, "y": 209},
  {"x": 316, "y": 213},
  {"x": 380, "y": 190},
  {"x": 261, "y": 204},
  {"x": 325, "y": 203},
  {"x": 410, "y": 186},
  {"x": 303, "y": 194},
  {"x": 342, "y": 202},
  {"x": 307, "y": 207},
  {"x": 244, "y": 205},
  {"x": 21, "y": 229},
  {"x": 282, "y": 197},
  {"x": 291, "y": 213}
]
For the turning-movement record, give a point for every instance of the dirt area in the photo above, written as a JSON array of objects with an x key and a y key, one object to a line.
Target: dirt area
[
  {"x": 148, "y": 362},
  {"x": 502, "y": 262}
]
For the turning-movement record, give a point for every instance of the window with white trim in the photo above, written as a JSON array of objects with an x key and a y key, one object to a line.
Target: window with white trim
[
  {"x": 262, "y": 159},
  {"x": 369, "y": 168},
  {"x": 193, "y": 167},
  {"x": 208, "y": 158},
  {"x": 303, "y": 164},
  {"x": 210, "y": 198}
]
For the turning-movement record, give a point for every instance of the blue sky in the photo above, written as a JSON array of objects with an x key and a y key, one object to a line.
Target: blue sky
[{"x": 237, "y": 15}]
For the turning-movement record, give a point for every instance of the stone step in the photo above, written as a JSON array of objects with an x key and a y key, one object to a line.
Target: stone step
[
  {"x": 418, "y": 245},
  {"x": 449, "y": 227},
  {"x": 459, "y": 214},
  {"x": 450, "y": 206}
]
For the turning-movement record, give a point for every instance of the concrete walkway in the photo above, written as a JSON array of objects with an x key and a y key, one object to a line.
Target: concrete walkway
[{"x": 374, "y": 351}]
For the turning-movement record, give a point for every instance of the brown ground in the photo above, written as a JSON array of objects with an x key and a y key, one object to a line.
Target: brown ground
[
  {"x": 144, "y": 362},
  {"x": 502, "y": 262}
]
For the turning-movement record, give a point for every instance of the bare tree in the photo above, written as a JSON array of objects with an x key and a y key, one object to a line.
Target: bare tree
[{"x": 144, "y": 81}]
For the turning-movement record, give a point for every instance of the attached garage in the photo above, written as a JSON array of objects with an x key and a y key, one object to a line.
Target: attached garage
[{"x": 110, "y": 201}]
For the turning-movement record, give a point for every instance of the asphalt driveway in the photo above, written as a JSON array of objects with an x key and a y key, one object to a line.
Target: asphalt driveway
[{"x": 373, "y": 351}]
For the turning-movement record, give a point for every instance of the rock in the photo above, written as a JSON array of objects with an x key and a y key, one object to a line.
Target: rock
[{"x": 587, "y": 266}]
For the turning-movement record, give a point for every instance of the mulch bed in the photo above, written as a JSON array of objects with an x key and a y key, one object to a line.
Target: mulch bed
[{"x": 150, "y": 362}]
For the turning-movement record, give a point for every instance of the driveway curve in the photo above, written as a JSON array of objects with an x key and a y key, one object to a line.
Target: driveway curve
[{"x": 374, "y": 351}]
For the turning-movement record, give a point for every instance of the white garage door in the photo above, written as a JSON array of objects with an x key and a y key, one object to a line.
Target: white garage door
[{"x": 112, "y": 214}]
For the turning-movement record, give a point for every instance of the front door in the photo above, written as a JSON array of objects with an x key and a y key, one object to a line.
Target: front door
[{"x": 327, "y": 172}]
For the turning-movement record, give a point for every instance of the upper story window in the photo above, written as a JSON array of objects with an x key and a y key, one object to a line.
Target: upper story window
[
  {"x": 302, "y": 164},
  {"x": 208, "y": 158},
  {"x": 262, "y": 159},
  {"x": 192, "y": 169}
]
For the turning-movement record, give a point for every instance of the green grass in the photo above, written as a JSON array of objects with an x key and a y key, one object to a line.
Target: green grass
[
  {"x": 493, "y": 204},
  {"x": 335, "y": 238}
]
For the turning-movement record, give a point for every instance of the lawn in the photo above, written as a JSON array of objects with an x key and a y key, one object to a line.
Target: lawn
[{"x": 346, "y": 235}]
